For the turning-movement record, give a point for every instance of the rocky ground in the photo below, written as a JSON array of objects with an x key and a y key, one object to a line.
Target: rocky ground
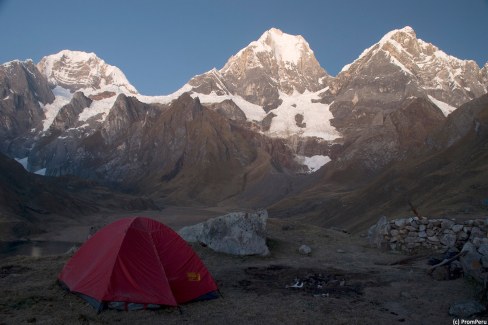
[{"x": 344, "y": 282}]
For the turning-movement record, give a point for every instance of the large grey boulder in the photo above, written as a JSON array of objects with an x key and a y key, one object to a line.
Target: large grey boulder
[
  {"x": 237, "y": 233},
  {"x": 377, "y": 232}
]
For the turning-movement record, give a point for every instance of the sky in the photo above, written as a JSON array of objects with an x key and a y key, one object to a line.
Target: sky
[{"x": 160, "y": 45}]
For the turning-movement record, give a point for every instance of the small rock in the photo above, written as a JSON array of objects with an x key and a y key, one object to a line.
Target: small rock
[
  {"x": 400, "y": 223},
  {"x": 433, "y": 239},
  {"x": 457, "y": 228},
  {"x": 449, "y": 240},
  {"x": 422, "y": 234},
  {"x": 436, "y": 222},
  {"x": 411, "y": 239},
  {"x": 466, "y": 308},
  {"x": 477, "y": 222},
  {"x": 447, "y": 224},
  {"x": 422, "y": 228},
  {"x": 476, "y": 233},
  {"x": 305, "y": 250},
  {"x": 462, "y": 236},
  {"x": 430, "y": 232},
  {"x": 483, "y": 249},
  {"x": 476, "y": 241},
  {"x": 394, "y": 233}
]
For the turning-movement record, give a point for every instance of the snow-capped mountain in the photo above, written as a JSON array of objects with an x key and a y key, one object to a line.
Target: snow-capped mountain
[
  {"x": 271, "y": 110},
  {"x": 276, "y": 62},
  {"x": 81, "y": 71},
  {"x": 446, "y": 80},
  {"x": 372, "y": 100},
  {"x": 275, "y": 81}
]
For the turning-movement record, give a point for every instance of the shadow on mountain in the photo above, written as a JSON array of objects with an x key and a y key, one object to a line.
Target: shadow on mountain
[
  {"x": 447, "y": 178},
  {"x": 28, "y": 200}
]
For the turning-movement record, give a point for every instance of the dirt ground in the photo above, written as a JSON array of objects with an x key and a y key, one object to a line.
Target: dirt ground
[{"x": 344, "y": 282}]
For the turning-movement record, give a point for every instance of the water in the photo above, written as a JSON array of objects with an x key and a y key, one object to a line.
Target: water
[{"x": 34, "y": 248}]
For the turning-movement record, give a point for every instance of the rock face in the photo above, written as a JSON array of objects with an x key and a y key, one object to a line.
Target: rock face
[
  {"x": 183, "y": 150},
  {"x": 404, "y": 65},
  {"x": 23, "y": 92},
  {"x": 237, "y": 233},
  {"x": 275, "y": 62},
  {"x": 398, "y": 89}
]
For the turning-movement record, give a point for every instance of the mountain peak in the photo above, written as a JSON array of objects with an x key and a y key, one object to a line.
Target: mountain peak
[
  {"x": 405, "y": 31},
  {"x": 77, "y": 70},
  {"x": 284, "y": 47}
]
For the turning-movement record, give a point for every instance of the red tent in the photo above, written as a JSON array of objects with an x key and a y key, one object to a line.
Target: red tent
[{"x": 138, "y": 261}]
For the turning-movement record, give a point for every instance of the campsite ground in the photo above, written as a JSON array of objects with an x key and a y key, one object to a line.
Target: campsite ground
[{"x": 345, "y": 282}]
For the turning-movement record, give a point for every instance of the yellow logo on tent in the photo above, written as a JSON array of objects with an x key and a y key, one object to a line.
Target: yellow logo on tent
[{"x": 193, "y": 276}]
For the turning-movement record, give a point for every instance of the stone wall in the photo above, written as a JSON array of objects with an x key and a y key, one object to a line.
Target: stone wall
[{"x": 415, "y": 234}]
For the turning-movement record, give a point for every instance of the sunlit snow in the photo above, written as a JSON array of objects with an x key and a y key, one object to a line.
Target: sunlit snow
[
  {"x": 445, "y": 107},
  {"x": 316, "y": 117},
  {"x": 62, "y": 97},
  {"x": 313, "y": 163}
]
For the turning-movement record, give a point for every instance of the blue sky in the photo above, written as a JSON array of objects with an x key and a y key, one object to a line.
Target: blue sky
[{"x": 160, "y": 45}]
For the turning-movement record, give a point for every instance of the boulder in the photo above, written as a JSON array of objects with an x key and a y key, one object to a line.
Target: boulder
[
  {"x": 305, "y": 250},
  {"x": 237, "y": 233}
]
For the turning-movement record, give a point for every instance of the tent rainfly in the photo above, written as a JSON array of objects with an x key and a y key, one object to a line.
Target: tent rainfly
[{"x": 137, "y": 263}]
